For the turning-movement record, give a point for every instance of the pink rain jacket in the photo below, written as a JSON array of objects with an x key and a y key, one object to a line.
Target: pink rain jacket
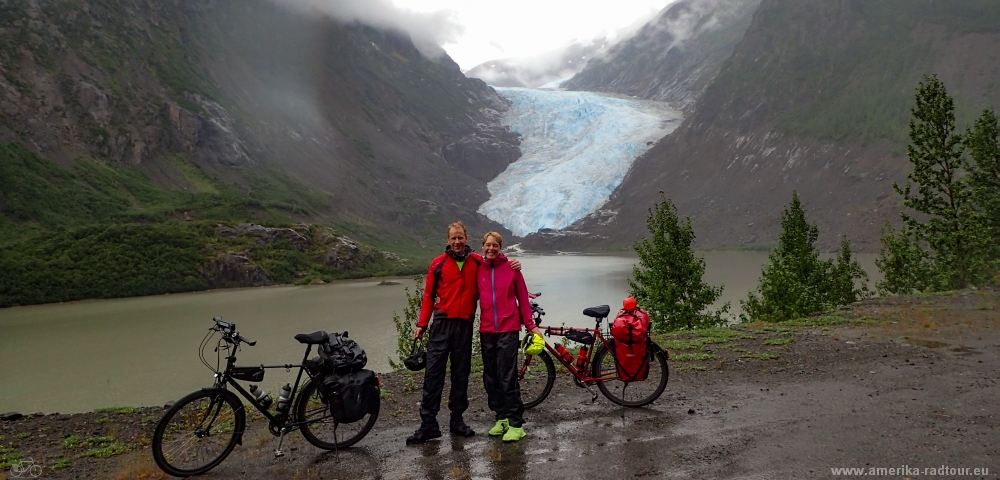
[{"x": 503, "y": 298}]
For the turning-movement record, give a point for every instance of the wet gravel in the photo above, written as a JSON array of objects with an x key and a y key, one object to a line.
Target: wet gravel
[{"x": 916, "y": 386}]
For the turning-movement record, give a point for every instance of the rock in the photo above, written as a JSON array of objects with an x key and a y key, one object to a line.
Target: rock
[
  {"x": 485, "y": 153},
  {"x": 345, "y": 254},
  {"x": 11, "y": 416},
  {"x": 266, "y": 235},
  {"x": 169, "y": 404},
  {"x": 233, "y": 269},
  {"x": 388, "y": 282},
  {"x": 317, "y": 281}
]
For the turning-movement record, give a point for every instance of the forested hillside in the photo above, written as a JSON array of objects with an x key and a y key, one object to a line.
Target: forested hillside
[{"x": 164, "y": 114}]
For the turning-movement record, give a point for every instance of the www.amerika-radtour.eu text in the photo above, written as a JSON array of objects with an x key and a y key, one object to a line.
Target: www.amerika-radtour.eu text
[{"x": 907, "y": 470}]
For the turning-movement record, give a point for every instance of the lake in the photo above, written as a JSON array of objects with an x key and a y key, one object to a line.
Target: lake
[{"x": 78, "y": 356}]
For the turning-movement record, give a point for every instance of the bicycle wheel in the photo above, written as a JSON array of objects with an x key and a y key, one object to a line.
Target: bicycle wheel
[
  {"x": 321, "y": 425},
  {"x": 198, "y": 432},
  {"x": 536, "y": 378},
  {"x": 631, "y": 394}
]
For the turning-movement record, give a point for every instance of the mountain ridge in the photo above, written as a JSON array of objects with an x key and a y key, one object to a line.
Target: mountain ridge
[{"x": 815, "y": 99}]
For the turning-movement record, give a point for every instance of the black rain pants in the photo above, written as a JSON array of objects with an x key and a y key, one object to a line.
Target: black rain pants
[
  {"x": 449, "y": 337},
  {"x": 503, "y": 391}
]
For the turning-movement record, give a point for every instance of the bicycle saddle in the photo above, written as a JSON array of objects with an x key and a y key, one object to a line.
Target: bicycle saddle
[
  {"x": 313, "y": 338},
  {"x": 600, "y": 311}
]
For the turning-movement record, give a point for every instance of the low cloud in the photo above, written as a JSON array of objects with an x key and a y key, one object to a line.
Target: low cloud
[{"x": 427, "y": 30}]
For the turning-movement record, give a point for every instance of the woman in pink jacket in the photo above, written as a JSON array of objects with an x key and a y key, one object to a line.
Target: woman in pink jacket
[{"x": 503, "y": 307}]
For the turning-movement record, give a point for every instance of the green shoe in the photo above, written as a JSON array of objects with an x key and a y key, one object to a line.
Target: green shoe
[
  {"x": 500, "y": 428},
  {"x": 514, "y": 434}
]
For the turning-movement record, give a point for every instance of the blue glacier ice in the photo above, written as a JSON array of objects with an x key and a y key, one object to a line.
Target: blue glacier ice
[{"x": 576, "y": 149}]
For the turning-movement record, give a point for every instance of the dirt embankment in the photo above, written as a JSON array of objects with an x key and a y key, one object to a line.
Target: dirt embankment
[{"x": 887, "y": 383}]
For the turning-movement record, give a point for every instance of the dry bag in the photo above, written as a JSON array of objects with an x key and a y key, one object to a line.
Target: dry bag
[{"x": 631, "y": 332}]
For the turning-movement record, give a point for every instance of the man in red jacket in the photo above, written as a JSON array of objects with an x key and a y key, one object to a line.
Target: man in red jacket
[{"x": 450, "y": 296}]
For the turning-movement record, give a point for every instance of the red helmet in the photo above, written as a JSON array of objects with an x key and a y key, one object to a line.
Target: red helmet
[{"x": 629, "y": 303}]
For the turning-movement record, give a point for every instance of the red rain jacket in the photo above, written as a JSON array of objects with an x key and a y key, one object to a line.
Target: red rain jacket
[{"x": 456, "y": 289}]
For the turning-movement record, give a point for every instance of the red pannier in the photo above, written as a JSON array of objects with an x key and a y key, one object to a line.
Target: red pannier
[{"x": 631, "y": 332}]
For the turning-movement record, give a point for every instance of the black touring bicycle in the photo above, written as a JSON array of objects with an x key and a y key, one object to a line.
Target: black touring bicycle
[{"x": 335, "y": 407}]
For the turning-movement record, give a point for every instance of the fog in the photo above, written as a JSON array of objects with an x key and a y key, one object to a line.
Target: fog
[
  {"x": 427, "y": 30},
  {"x": 557, "y": 64}
]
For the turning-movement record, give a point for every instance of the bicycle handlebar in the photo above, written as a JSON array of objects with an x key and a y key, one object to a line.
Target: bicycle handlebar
[{"x": 230, "y": 334}]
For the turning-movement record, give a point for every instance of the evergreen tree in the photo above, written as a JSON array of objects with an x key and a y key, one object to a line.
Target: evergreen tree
[
  {"x": 848, "y": 282},
  {"x": 954, "y": 230},
  {"x": 983, "y": 144},
  {"x": 905, "y": 266},
  {"x": 795, "y": 282},
  {"x": 668, "y": 280}
]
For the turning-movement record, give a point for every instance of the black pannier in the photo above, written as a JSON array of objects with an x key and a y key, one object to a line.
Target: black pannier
[
  {"x": 249, "y": 374},
  {"x": 342, "y": 355},
  {"x": 351, "y": 396}
]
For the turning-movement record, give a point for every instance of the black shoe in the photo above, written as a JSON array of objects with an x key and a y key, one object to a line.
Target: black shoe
[
  {"x": 421, "y": 436},
  {"x": 462, "y": 430}
]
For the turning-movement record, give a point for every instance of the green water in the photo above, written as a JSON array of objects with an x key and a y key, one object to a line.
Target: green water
[{"x": 79, "y": 356}]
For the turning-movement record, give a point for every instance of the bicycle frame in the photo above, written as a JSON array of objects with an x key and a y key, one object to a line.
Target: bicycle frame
[
  {"x": 278, "y": 423},
  {"x": 583, "y": 376}
]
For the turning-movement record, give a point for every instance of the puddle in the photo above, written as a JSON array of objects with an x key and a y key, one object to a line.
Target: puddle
[
  {"x": 964, "y": 351},
  {"x": 926, "y": 343}
]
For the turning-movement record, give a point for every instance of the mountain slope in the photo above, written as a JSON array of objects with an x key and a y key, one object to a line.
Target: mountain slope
[
  {"x": 672, "y": 58},
  {"x": 815, "y": 98},
  {"x": 396, "y": 144}
]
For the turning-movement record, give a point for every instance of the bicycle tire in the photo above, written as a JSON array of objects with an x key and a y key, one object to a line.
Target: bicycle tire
[
  {"x": 179, "y": 432},
  {"x": 319, "y": 430},
  {"x": 534, "y": 390},
  {"x": 618, "y": 391}
]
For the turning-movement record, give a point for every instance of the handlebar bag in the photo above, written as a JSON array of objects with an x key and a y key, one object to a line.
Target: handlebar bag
[
  {"x": 351, "y": 395},
  {"x": 343, "y": 355},
  {"x": 578, "y": 336},
  {"x": 631, "y": 333}
]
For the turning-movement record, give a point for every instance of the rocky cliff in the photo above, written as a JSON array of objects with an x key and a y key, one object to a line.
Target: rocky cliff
[
  {"x": 814, "y": 98},
  {"x": 245, "y": 89},
  {"x": 674, "y": 57}
]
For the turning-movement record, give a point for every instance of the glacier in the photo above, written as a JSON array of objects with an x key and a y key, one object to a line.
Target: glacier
[{"x": 576, "y": 149}]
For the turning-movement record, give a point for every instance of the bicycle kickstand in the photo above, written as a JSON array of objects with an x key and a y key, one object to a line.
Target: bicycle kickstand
[
  {"x": 593, "y": 394},
  {"x": 281, "y": 438}
]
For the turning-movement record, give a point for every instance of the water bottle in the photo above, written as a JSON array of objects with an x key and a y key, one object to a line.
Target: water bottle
[
  {"x": 286, "y": 392},
  {"x": 262, "y": 397},
  {"x": 581, "y": 359},
  {"x": 564, "y": 354}
]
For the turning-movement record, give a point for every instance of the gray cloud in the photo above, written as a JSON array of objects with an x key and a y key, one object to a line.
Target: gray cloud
[{"x": 427, "y": 30}]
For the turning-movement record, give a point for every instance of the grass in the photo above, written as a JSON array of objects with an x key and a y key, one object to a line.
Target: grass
[
  {"x": 122, "y": 410},
  {"x": 825, "y": 321},
  {"x": 778, "y": 341},
  {"x": 693, "y": 357},
  {"x": 697, "y": 368},
  {"x": 8, "y": 457},
  {"x": 107, "y": 451},
  {"x": 60, "y": 464},
  {"x": 761, "y": 356}
]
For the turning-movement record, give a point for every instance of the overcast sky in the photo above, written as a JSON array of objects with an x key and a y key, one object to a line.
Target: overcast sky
[{"x": 491, "y": 29}]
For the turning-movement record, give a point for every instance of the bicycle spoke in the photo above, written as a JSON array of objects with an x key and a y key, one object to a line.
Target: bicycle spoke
[{"x": 198, "y": 434}]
